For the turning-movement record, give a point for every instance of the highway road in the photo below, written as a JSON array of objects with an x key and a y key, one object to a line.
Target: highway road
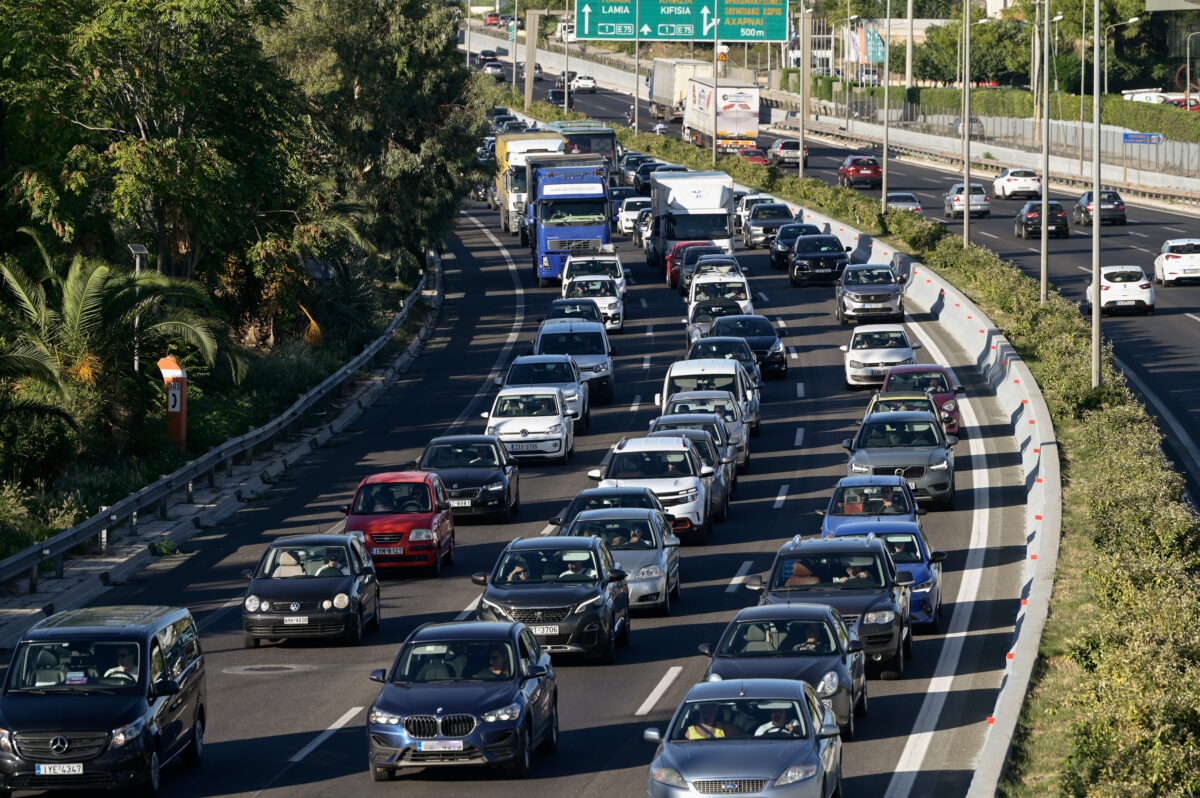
[{"x": 287, "y": 719}]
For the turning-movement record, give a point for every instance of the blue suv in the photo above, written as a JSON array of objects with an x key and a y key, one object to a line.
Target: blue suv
[{"x": 856, "y": 499}]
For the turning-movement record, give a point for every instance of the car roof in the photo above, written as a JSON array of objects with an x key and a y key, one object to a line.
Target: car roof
[
  {"x": 309, "y": 540},
  {"x": 458, "y": 630},
  {"x": 552, "y": 542},
  {"x": 1182, "y": 241},
  {"x": 899, "y": 416},
  {"x": 1105, "y": 269},
  {"x": 899, "y": 395},
  {"x": 746, "y": 688},
  {"x": 694, "y": 434},
  {"x": 879, "y": 526},
  {"x": 920, "y": 367},
  {"x": 613, "y": 491},
  {"x": 691, "y": 418},
  {"x": 570, "y": 325},
  {"x": 663, "y": 444},
  {"x": 702, "y": 395},
  {"x": 719, "y": 277},
  {"x": 460, "y": 439},
  {"x": 873, "y": 328},
  {"x": 104, "y": 621},
  {"x": 724, "y": 339},
  {"x": 815, "y": 545},
  {"x": 703, "y": 365},
  {"x": 716, "y": 303},
  {"x": 397, "y": 476},
  {"x": 797, "y": 610},
  {"x": 542, "y": 359},
  {"x": 614, "y": 513},
  {"x": 859, "y": 266},
  {"x": 742, "y": 317},
  {"x": 859, "y": 481},
  {"x": 527, "y": 390}
]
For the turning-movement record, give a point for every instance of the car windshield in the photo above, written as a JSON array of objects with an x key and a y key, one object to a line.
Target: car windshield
[
  {"x": 1110, "y": 196},
  {"x": 1052, "y": 207},
  {"x": 918, "y": 381},
  {"x": 386, "y": 498},
  {"x": 650, "y": 465},
  {"x": 828, "y": 570},
  {"x": 567, "y": 212},
  {"x": 540, "y": 373},
  {"x": 727, "y": 350},
  {"x": 76, "y": 667},
  {"x": 901, "y": 434},
  {"x": 753, "y": 154},
  {"x": 605, "y": 501},
  {"x": 903, "y": 199},
  {"x": 1124, "y": 276},
  {"x": 455, "y": 660},
  {"x": 702, "y": 313},
  {"x": 546, "y": 566},
  {"x": 697, "y": 225},
  {"x": 684, "y": 405},
  {"x": 889, "y": 404},
  {"x": 776, "y": 638},
  {"x": 757, "y": 327},
  {"x": 635, "y": 204},
  {"x": 730, "y": 289},
  {"x": 609, "y": 268},
  {"x": 765, "y": 720},
  {"x": 621, "y": 534},
  {"x": 902, "y": 546},
  {"x": 586, "y": 311},
  {"x": 790, "y": 232},
  {"x": 296, "y": 562},
  {"x": 718, "y": 265},
  {"x": 590, "y": 287},
  {"x": 701, "y": 382},
  {"x": 1183, "y": 249},
  {"x": 571, "y": 343},
  {"x": 709, "y": 427},
  {"x": 1022, "y": 173},
  {"x": 869, "y": 500},
  {"x": 525, "y": 405},
  {"x": 883, "y": 276},
  {"x": 517, "y": 179},
  {"x": 464, "y": 455},
  {"x": 887, "y": 339},
  {"x": 815, "y": 245},
  {"x": 863, "y": 162},
  {"x": 692, "y": 254},
  {"x": 771, "y": 212}
]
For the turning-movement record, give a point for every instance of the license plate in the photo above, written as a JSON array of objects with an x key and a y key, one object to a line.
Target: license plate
[
  {"x": 1191, "y": 271},
  {"x": 439, "y": 745},
  {"x": 1126, "y": 302},
  {"x": 385, "y": 550},
  {"x": 874, "y": 305},
  {"x": 64, "y": 769},
  {"x": 1051, "y": 227},
  {"x": 1107, "y": 206},
  {"x": 545, "y": 630},
  {"x": 295, "y": 620},
  {"x": 877, "y": 372},
  {"x": 460, "y": 502},
  {"x": 911, "y": 485},
  {"x": 523, "y": 447}
]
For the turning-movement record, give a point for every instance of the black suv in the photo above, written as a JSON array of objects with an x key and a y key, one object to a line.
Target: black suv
[
  {"x": 817, "y": 258},
  {"x": 480, "y": 476},
  {"x": 102, "y": 698},
  {"x": 855, "y": 576},
  {"x": 464, "y": 694},
  {"x": 568, "y": 590}
]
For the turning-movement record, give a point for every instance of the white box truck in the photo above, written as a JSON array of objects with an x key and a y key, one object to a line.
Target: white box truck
[
  {"x": 689, "y": 206},
  {"x": 669, "y": 85},
  {"x": 737, "y": 105},
  {"x": 512, "y": 149}
]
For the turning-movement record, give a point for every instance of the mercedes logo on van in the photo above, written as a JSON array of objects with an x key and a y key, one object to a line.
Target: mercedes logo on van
[{"x": 59, "y": 745}]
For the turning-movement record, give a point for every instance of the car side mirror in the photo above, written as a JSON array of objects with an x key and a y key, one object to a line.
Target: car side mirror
[
  {"x": 937, "y": 556},
  {"x": 902, "y": 278},
  {"x": 617, "y": 575},
  {"x": 959, "y": 389},
  {"x": 821, "y": 513},
  {"x": 498, "y": 381},
  {"x": 829, "y": 731},
  {"x": 378, "y": 675},
  {"x": 443, "y": 506},
  {"x": 921, "y": 511},
  {"x": 670, "y": 518},
  {"x": 652, "y": 736},
  {"x": 658, "y": 398},
  {"x": 165, "y": 687},
  {"x": 904, "y": 578},
  {"x": 706, "y": 649},
  {"x": 594, "y": 475},
  {"x": 916, "y": 345},
  {"x": 536, "y": 671},
  {"x": 855, "y": 646},
  {"x": 247, "y": 573},
  {"x": 951, "y": 440},
  {"x": 557, "y": 520},
  {"x": 727, "y": 459},
  {"x": 848, "y": 443},
  {"x": 706, "y": 471},
  {"x": 844, "y": 348},
  {"x": 483, "y": 414},
  {"x": 849, "y": 249},
  {"x": 479, "y": 579},
  {"x": 754, "y": 582},
  {"x": 671, "y": 542}
]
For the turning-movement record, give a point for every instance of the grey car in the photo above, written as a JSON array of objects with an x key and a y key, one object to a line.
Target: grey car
[
  {"x": 762, "y": 736},
  {"x": 703, "y": 314},
  {"x": 904, "y": 201},
  {"x": 720, "y": 484},
  {"x": 556, "y": 371},
  {"x": 763, "y": 221},
  {"x": 713, "y": 424},
  {"x": 643, "y": 546},
  {"x": 723, "y": 404},
  {"x": 908, "y": 444},
  {"x": 726, "y": 346},
  {"x": 786, "y": 151},
  {"x": 495, "y": 69},
  {"x": 868, "y": 291}
]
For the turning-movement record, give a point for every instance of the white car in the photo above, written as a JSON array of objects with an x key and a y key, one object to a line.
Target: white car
[
  {"x": 721, "y": 404},
  {"x": 671, "y": 468},
  {"x": 1015, "y": 181},
  {"x": 873, "y": 350},
  {"x": 605, "y": 264},
  {"x": 743, "y": 208},
  {"x": 1179, "y": 259},
  {"x": 584, "y": 83},
  {"x": 981, "y": 204},
  {"x": 1122, "y": 288},
  {"x": 722, "y": 286},
  {"x": 627, "y": 216},
  {"x": 533, "y": 422},
  {"x": 602, "y": 290},
  {"x": 712, "y": 374},
  {"x": 552, "y": 371}
]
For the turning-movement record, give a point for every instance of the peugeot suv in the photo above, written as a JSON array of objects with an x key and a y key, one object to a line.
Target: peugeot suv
[{"x": 868, "y": 291}]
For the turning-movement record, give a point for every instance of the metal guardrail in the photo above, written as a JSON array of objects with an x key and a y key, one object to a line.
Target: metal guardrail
[{"x": 156, "y": 494}]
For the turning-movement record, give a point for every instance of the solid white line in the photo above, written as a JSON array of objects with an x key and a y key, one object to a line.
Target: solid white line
[
  {"x": 668, "y": 678},
  {"x": 630, "y": 281},
  {"x": 1174, "y": 229},
  {"x": 989, "y": 235},
  {"x": 644, "y": 305},
  {"x": 763, "y": 297},
  {"x": 783, "y": 489},
  {"x": 1086, "y": 269},
  {"x": 548, "y": 529},
  {"x": 1192, "y": 316},
  {"x": 646, "y": 362},
  {"x": 216, "y": 614},
  {"x": 799, "y": 390},
  {"x": 637, "y": 402},
  {"x": 649, "y": 329},
  {"x": 740, "y": 577},
  {"x": 1147, "y": 251},
  {"x": 325, "y": 735},
  {"x": 470, "y": 610},
  {"x": 799, "y": 437}
]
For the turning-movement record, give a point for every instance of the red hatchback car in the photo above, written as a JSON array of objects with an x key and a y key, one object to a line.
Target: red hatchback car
[
  {"x": 864, "y": 169},
  {"x": 675, "y": 258},
  {"x": 934, "y": 379},
  {"x": 404, "y": 520},
  {"x": 753, "y": 155}
]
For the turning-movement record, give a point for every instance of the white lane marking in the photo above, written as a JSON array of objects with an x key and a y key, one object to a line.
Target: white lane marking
[
  {"x": 799, "y": 437},
  {"x": 1148, "y": 251},
  {"x": 649, "y": 329},
  {"x": 630, "y": 281},
  {"x": 646, "y": 362},
  {"x": 644, "y": 305},
  {"x": 912, "y": 758},
  {"x": 1174, "y": 229},
  {"x": 518, "y": 319},
  {"x": 637, "y": 402},
  {"x": 783, "y": 489},
  {"x": 1182, "y": 437},
  {"x": 1034, "y": 249},
  {"x": 799, "y": 390},
  {"x": 548, "y": 529},
  {"x": 216, "y": 614},
  {"x": 1086, "y": 269},
  {"x": 1192, "y": 316},
  {"x": 470, "y": 610},
  {"x": 1139, "y": 235},
  {"x": 989, "y": 235},
  {"x": 325, "y": 735},
  {"x": 781, "y": 322},
  {"x": 740, "y": 577},
  {"x": 792, "y": 352},
  {"x": 763, "y": 297},
  {"x": 659, "y": 689}
]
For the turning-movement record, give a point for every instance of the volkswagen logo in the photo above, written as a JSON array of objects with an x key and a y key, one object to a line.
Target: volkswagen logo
[
  {"x": 59, "y": 745},
  {"x": 294, "y": 606},
  {"x": 524, "y": 433},
  {"x": 454, "y": 486}
]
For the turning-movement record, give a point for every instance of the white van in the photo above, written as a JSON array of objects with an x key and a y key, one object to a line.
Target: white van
[
  {"x": 722, "y": 286},
  {"x": 711, "y": 374}
]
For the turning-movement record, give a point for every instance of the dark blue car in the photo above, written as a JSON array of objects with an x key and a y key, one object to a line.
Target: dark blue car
[
  {"x": 473, "y": 693},
  {"x": 911, "y": 552},
  {"x": 857, "y": 499}
]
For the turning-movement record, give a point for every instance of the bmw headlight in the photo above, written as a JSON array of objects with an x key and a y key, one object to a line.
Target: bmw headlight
[
  {"x": 828, "y": 684},
  {"x": 583, "y": 606},
  {"x": 127, "y": 733},
  {"x": 795, "y": 774},
  {"x": 855, "y": 364},
  {"x": 341, "y": 601},
  {"x": 668, "y": 776},
  {"x": 879, "y": 617},
  {"x": 421, "y": 534},
  {"x": 494, "y": 486},
  {"x": 777, "y": 347},
  {"x": 920, "y": 587},
  {"x": 950, "y": 405},
  {"x": 859, "y": 468},
  {"x": 252, "y": 603},
  {"x": 383, "y": 718},
  {"x": 942, "y": 466},
  {"x": 649, "y": 572},
  {"x": 510, "y": 712}
]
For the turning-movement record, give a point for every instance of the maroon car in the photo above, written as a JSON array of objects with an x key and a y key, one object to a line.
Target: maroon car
[
  {"x": 860, "y": 169},
  {"x": 933, "y": 379}
]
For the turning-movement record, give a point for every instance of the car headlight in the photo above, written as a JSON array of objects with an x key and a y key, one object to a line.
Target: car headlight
[
  {"x": 668, "y": 776},
  {"x": 6, "y": 741},
  {"x": 492, "y": 430},
  {"x": 908, "y": 361},
  {"x": 649, "y": 572},
  {"x": 265, "y": 605},
  {"x": 942, "y": 466},
  {"x": 923, "y": 586},
  {"x": 855, "y": 364},
  {"x": 494, "y": 486},
  {"x": 545, "y": 261},
  {"x": 421, "y": 534},
  {"x": 494, "y": 607},
  {"x": 614, "y": 305},
  {"x": 859, "y": 468},
  {"x": 852, "y": 297},
  {"x": 777, "y": 347},
  {"x": 949, "y": 405},
  {"x": 828, "y": 684},
  {"x": 252, "y": 603},
  {"x": 128, "y": 733},
  {"x": 689, "y": 495},
  {"x": 383, "y": 718},
  {"x": 796, "y": 773},
  {"x": 583, "y": 606},
  {"x": 341, "y": 601},
  {"x": 510, "y": 712},
  {"x": 326, "y": 605},
  {"x": 714, "y": 677},
  {"x": 600, "y": 368},
  {"x": 879, "y": 617}
]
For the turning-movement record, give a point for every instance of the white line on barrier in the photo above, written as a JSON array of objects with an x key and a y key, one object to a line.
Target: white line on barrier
[
  {"x": 1087, "y": 269},
  {"x": 799, "y": 437},
  {"x": 630, "y": 281},
  {"x": 548, "y": 529},
  {"x": 780, "y": 498},
  {"x": 799, "y": 390},
  {"x": 665, "y": 682},
  {"x": 325, "y": 735},
  {"x": 740, "y": 577},
  {"x": 637, "y": 402},
  {"x": 470, "y": 610}
]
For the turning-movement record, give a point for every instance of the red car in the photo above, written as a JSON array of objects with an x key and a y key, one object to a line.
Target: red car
[
  {"x": 492, "y": 18},
  {"x": 404, "y": 520},
  {"x": 863, "y": 169},
  {"x": 753, "y": 155},
  {"x": 675, "y": 257},
  {"x": 933, "y": 379}
]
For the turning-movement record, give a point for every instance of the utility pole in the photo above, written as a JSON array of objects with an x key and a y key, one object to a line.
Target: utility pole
[
  {"x": 966, "y": 123},
  {"x": 908, "y": 54},
  {"x": 887, "y": 108},
  {"x": 1045, "y": 272},
  {"x": 805, "y": 79},
  {"x": 1096, "y": 201}
]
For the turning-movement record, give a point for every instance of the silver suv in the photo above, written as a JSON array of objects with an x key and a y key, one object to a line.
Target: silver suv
[
  {"x": 586, "y": 343},
  {"x": 869, "y": 291}
]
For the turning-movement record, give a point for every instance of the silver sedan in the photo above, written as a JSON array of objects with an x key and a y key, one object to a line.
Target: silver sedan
[{"x": 643, "y": 545}]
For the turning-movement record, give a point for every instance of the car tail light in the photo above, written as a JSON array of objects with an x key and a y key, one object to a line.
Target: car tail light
[
  {"x": 1037, "y": 180},
  {"x": 1031, "y": 215},
  {"x": 985, "y": 198},
  {"x": 1088, "y": 206},
  {"x": 1143, "y": 286},
  {"x": 1120, "y": 206},
  {"x": 1009, "y": 180},
  {"x": 1104, "y": 288},
  {"x": 1174, "y": 257}
]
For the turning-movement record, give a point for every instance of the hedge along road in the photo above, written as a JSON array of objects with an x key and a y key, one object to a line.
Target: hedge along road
[
  {"x": 1157, "y": 352},
  {"x": 288, "y": 719}
]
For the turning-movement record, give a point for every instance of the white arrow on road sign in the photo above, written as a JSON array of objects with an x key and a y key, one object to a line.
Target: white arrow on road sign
[
  {"x": 645, "y": 30},
  {"x": 707, "y": 25},
  {"x": 587, "y": 11}
]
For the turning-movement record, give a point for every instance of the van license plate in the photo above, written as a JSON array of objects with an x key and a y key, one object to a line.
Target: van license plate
[
  {"x": 439, "y": 745},
  {"x": 65, "y": 769},
  {"x": 295, "y": 620},
  {"x": 545, "y": 630}
]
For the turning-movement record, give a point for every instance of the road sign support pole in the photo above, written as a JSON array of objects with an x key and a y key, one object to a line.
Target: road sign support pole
[
  {"x": 637, "y": 59},
  {"x": 716, "y": 47},
  {"x": 1045, "y": 266},
  {"x": 1096, "y": 185},
  {"x": 805, "y": 79},
  {"x": 533, "y": 24},
  {"x": 966, "y": 123},
  {"x": 513, "y": 40},
  {"x": 887, "y": 109}
]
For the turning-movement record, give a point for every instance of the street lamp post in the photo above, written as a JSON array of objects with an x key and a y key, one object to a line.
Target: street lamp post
[
  {"x": 1113, "y": 26},
  {"x": 1187, "y": 90},
  {"x": 139, "y": 252},
  {"x": 805, "y": 72},
  {"x": 515, "y": 27},
  {"x": 966, "y": 120},
  {"x": 887, "y": 108},
  {"x": 1045, "y": 153},
  {"x": 567, "y": 60},
  {"x": 1056, "y": 20},
  {"x": 1096, "y": 200}
]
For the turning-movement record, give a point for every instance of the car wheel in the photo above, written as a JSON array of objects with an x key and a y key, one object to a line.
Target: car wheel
[
  {"x": 723, "y": 513},
  {"x": 153, "y": 776},
  {"x": 935, "y": 623},
  {"x": 435, "y": 569},
  {"x": 893, "y": 669},
  {"x": 549, "y": 743},
  {"x": 848, "y": 729},
  {"x": 756, "y": 429},
  {"x": 193, "y": 755},
  {"x": 562, "y": 460},
  {"x": 861, "y": 709},
  {"x": 355, "y": 634},
  {"x": 516, "y": 505},
  {"x": 744, "y": 467},
  {"x": 377, "y": 615},
  {"x": 623, "y": 638},
  {"x": 908, "y": 642},
  {"x": 382, "y": 774},
  {"x": 675, "y": 590},
  {"x": 606, "y": 654},
  {"x": 521, "y": 762},
  {"x": 1000, "y": 195},
  {"x": 1122, "y": 222},
  {"x": 1150, "y": 311},
  {"x": 250, "y": 641}
]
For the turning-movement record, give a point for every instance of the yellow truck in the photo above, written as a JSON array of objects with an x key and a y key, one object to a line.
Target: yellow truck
[{"x": 508, "y": 193}]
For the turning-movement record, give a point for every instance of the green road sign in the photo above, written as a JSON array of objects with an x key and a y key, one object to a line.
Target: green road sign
[
  {"x": 512, "y": 31},
  {"x": 682, "y": 20}
]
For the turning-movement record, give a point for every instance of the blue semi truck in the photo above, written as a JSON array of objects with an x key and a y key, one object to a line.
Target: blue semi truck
[{"x": 566, "y": 211}]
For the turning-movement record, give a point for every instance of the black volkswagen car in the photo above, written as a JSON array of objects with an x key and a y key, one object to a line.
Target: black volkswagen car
[
  {"x": 809, "y": 642},
  {"x": 311, "y": 586},
  {"x": 785, "y": 239},
  {"x": 764, "y": 341},
  {"x": 480, "y": 476},
  {"x": 817, "y": 259},
  {"x": 568, "y": 590},
  {"x": 464, "y": 694}
]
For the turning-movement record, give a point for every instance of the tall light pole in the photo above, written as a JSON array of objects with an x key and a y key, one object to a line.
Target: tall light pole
[
  {"x": 1045, "y": 153},
  {"x": 908, "y": 53},
  {"x": 887, "y": 108},
  {"x": 1057, "y": 19},
  {"x": 716, "y": 48},
  {"x": 805, "y": 79},
  {"x": 1096, "y": 200},
  {"x": 966, "y": 120},
  {"x": 1129, "y": 21},
  {"x": 567, "y": 60},
  {"x": 516, "y": 25},
  {"x": 1187, "y": 90},
  {"x": 1082, "y": 73},
  {"x": 139, "y": 252}
]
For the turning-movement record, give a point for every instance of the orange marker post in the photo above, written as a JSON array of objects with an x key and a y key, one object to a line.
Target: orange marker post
[{"x": 175, "y": 378}]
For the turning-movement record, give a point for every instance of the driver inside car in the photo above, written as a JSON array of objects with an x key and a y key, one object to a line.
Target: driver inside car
[
  {"x": 781, "y": 723},
  {"x": 126, "y": 666}
]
